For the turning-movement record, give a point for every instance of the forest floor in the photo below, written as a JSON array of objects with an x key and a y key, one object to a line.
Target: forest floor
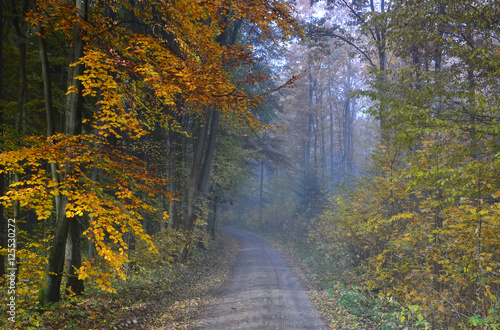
[
  {"x": 202, "y": 292},
  {"x": 159, "y": 302}
]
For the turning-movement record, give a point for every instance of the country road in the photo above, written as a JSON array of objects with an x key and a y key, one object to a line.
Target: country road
[{"x": 261, "y": 294}]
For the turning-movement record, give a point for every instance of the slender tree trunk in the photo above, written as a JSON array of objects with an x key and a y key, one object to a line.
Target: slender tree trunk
[
  {"x": 194, "y": 180},
  {"x": 21, "y": 27},
  {"x": 21, "y": 30},
  {"x": 175, "y": 160},
  {"x": 261, "y": 190},
  {"x": 74, "y": 101},
  {"x": 309, "y": 129},
  {"x": 64, "y": 226},
  {"x": 47, "y": 90},
  {"x": 332, "y": 148},
  {"x": 91, "y": 250},
  {"x": 323, "y": 150},
  {"x": 3, "y": 233},
  {"x": 315, "y": 146},
  {"x": 352, "y": 116},
  {"x": 381, "y": 77},
  {"x": 417, "y": 63},
  {"x": 3, "y": 226},
  {"x": 212, "y": 218},
  {"x": 173, "y": 176},
  {"x": 332, "y": 142},
  {"x": 47, "y": 93},
  {"x": 345, "y": 136},
  {"x": 209, "y": 155},
  {"x": 213, "y": 226},
  {"x": 438, "y": 219}
]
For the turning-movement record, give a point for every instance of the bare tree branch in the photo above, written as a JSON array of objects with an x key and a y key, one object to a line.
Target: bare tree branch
[{"x": 332, "y": 34}]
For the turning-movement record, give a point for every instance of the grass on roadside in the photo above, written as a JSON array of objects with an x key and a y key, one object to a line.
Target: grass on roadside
[{"x": 343, "y": 303}]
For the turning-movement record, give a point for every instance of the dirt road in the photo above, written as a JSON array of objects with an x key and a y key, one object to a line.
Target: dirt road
[{"x": 262, "y": 293}]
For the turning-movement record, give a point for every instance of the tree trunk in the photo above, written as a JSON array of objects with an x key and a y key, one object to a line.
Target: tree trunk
[
  {"x": 3, "y": 226},
  {"x": 261, "y": 190},
  {"x": 52, "y": 283},
  {"x": 381, "y": 76},
  {"x": 74, "y": 262},
  {"x": 47, "y": 94},
  {"x": 21, "y": 27},
  {"x": 91, "y": 249},
  {"x": 212, "y": 218},
  {"x": 173, "y": 176},
  {"x": 47, "y": 90},
  {"x": 209, "y": 154},
  {"x": 323, "y": 151},
  {"x": 204, "y": 152},
  {"x": 332, "y": 142},
  {"x": 438, "y": 218},
  {"x": 64, "y": 226},
  {"x": 21, "y": 30},
  {"x": 332, "y": 148},
  {"x": 3, "y": 233},
  {"x": 194, "y": 179},
  {"x": 350, "y": 158},
  {"x": 74, "y": 101},
  {"x": 200, "y": 172},
  {"x": 345, "y": 136},
  {"x": 309, "y": 130}
]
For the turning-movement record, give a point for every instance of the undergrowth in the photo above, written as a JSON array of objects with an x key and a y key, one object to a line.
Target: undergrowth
[
  {"x": 333, "y": 285},
  {"x": 165, "y": 295}
]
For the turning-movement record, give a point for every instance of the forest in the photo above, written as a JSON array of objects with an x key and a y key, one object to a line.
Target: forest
[{"x": 364, "y": 135}]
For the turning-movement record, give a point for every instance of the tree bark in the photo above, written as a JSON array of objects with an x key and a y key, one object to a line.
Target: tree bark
[
  {"x": 209, "y": 154},
  {"x": 52, "y": 283},
  {"x": 64, "y": 226},
  {"x": 194, "y": 179},
  {"x": 261, "y": 191},
  {"x": 21, "y": 28},
  {"x": 200, "y": 172},
  {"x": 212, "y": 218},
  {"x": 3, "y": 226},
  {"x": 173, "y": 174},
  {"x": 73, "y": 258},
  {"x": 47, "y": 90},
  {"x": 332, "y": 149},
  {"x": 307, "y": 155}
]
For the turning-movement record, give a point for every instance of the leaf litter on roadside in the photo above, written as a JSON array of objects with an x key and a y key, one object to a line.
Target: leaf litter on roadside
[{"x": 161, "y": 303}]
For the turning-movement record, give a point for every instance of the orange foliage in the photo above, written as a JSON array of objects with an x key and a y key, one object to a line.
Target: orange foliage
[
  {"x": 113, "y": 204},
  {"x": 135, "y": 75}
]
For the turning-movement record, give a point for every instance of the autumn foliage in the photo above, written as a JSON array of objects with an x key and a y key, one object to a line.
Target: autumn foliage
[
  {"x": 423, "y": 227},
  {"x": 418, "y": 224},
  {"x": 150, "y": 73}
]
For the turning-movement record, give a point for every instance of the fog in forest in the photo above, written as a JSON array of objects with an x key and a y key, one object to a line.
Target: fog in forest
[{"x": 358, "y": 137}]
